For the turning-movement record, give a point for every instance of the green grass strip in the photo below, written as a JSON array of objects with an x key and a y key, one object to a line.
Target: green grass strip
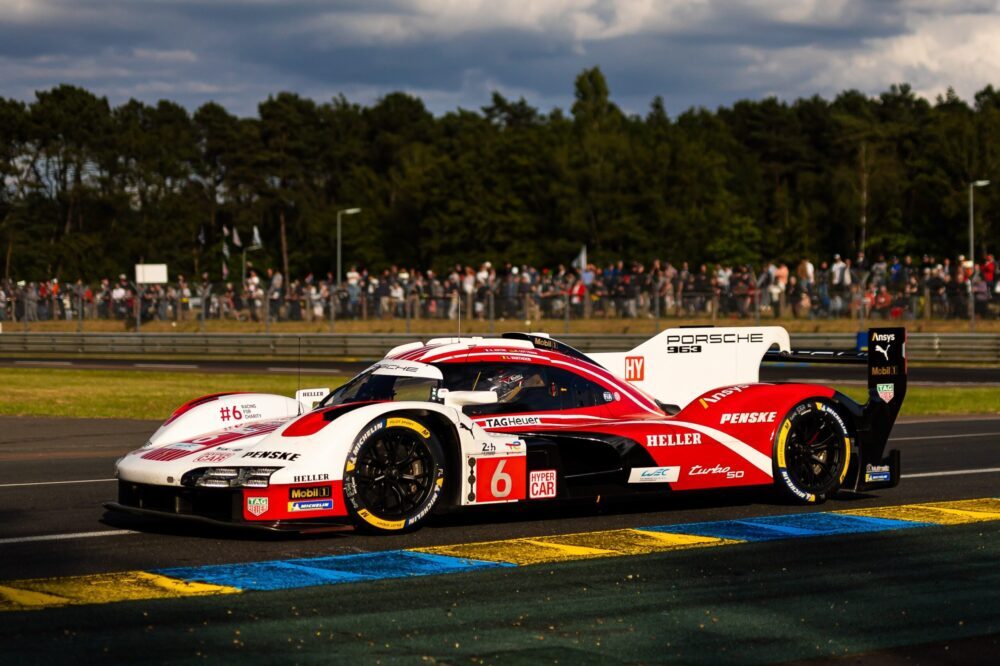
[{"x": 137, "y": 394}]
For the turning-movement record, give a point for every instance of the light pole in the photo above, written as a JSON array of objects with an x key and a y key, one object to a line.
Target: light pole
[
  {"x": 972, "y": 251},
  {"x": 344, "y": 211}
]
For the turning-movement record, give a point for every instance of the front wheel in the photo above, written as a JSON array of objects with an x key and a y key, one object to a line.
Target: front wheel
[
  {"x": 394, "y": 475},
  {"x": 812, "y": 451}
]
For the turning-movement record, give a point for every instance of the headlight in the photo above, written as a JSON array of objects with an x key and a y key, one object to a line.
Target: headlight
[{"x": 229, "y": 477}]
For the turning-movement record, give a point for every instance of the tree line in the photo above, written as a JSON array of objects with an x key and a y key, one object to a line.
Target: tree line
[{"x": 89, "y": 189}]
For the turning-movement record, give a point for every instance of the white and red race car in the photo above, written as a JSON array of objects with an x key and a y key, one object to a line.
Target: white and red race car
[{"x": 458, "y": 422}]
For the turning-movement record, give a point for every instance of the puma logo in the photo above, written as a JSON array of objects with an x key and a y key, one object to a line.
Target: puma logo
[{"x": 884, "y": 352}]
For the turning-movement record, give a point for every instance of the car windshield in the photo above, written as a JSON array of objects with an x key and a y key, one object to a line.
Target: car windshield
[{"x": 370, "y": 386}]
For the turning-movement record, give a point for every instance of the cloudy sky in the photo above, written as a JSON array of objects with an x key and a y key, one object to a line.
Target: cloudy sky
[{"x": 454, "y": 53}]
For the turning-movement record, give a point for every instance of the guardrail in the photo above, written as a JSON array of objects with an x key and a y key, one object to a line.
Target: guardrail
[{"x": 943, "y": 347}]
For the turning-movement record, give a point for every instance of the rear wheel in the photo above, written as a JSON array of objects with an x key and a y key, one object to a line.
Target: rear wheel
[
  {"x": 812, "y": 451},
  {"x": 393, "y": 475}
]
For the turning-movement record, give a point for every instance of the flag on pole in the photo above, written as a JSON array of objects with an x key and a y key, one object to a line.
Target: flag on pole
[
  {"x": 225, "y": 249},
  {"x": 256, "y": 238},
  {"x": 236, "y": 238},
  {"x": 201, "y": 234},
  {"x": 225, "y": 231},
  {"x": 225, "y": 270},
  {"x": 580, "y": 263}
]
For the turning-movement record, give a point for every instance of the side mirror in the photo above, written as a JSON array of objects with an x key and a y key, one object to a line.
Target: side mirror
[{"x": 459, "y": 399}]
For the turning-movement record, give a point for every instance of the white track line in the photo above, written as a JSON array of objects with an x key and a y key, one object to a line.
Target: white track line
[
  {"x": 954, "y": 472},
  {"x": 970, "y": 434},
  {"x": 73, "y": 535},
  {"x": 53, "y": 483},
  {"x": 169, "y": 366}
]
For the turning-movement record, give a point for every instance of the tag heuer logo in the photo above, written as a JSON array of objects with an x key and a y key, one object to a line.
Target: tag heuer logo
[
  {"x": 257, "y": 505},
  {"x": 886, "y": 391}
]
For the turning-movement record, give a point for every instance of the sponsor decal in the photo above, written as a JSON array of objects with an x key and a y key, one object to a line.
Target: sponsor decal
[
  {"x": 239, "y": 412},
  {"x": 654, "y": 475},
  {"x": 714, "y": 338},
  {"x": 510, "y": 421},
  {"x": 310, "y": 492},
  {"x": 186, "y": 446},
  {"x": 381, "y": 523},
  {"x": 721, "y": 395},
  {"x": 396, "y": 366},
  {"x": 748, "y": 417},
  {"x": 808, "y": 497},
  {"x": 730, "y": 473},
  {"x": 886, "y": 391},
  {"x": 674, "y": 439},
  {"x": 883, "y": 337},
  {"x": 430, "y": 505},
  {"x": 684, "y": 349},
  {"x": 501, "y": 479},
  {"x": 371, "y": 431},
  {"x": 399, "y": 422},
  {"x": 213, "y": 457},
  {"x": 257, "y": 505},
  {"x": 635, "y": 368},
  {"x": 884, "y": 351},
  {"x": 542, "y": 484},
  {"x": 884, "y": 370},
  {"x": 273, "y": 455},
  {"x": 608, "y": 397},
  {"x": 875, "y": 473},
  {"x": 316, "y": 505},
  {"x": 310, "y": 477},
  {"x": 513, "y": 446}
]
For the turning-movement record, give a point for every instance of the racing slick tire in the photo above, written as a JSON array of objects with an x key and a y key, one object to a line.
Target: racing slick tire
[
  {"x": 812, "y": 451},
  {"x": 394, "y": 475}
]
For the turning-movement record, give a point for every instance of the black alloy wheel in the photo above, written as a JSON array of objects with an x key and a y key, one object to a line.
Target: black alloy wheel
[
  {"x": 394, "y": 477},
  {"x": 812, "y": 452},
  {"x": 395, "y": 474}
]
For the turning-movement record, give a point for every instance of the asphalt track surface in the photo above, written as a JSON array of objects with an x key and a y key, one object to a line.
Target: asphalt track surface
[{"x": 911, "y": 596}]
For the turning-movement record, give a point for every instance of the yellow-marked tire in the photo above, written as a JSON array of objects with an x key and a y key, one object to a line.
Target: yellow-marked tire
[
  {"x": 393, "y": 475},
  {"x": 812, "y": 451}
]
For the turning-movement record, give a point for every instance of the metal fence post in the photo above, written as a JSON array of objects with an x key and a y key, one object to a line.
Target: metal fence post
[
  {"x": 333, "y": 308},
  {"x": 490, "y": 304},
  {"x": 566, "y": 313},
  {"x": 656, "y": 309},
  {"x": 138, "y": 309},
  {"x": 406, "y": 306}
]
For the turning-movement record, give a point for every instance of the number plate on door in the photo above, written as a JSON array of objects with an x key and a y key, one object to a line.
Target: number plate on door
[{"x": 501, "y": 479}]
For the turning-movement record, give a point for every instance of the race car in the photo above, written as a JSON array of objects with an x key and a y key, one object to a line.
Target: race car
[{"x": 522, "y": 418}]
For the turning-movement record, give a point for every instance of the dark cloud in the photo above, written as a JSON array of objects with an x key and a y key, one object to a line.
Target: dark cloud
[{"x": 692, "y": 54}]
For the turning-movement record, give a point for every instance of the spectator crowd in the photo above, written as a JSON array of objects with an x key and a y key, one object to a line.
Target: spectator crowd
[{"x": 894, "y": 288}]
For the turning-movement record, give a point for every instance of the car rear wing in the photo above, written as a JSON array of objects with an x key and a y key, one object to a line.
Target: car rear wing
[{"x": 885, "y": 358}]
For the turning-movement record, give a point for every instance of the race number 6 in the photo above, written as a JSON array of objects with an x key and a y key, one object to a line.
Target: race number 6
[{"x": 501, "y": 479}]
